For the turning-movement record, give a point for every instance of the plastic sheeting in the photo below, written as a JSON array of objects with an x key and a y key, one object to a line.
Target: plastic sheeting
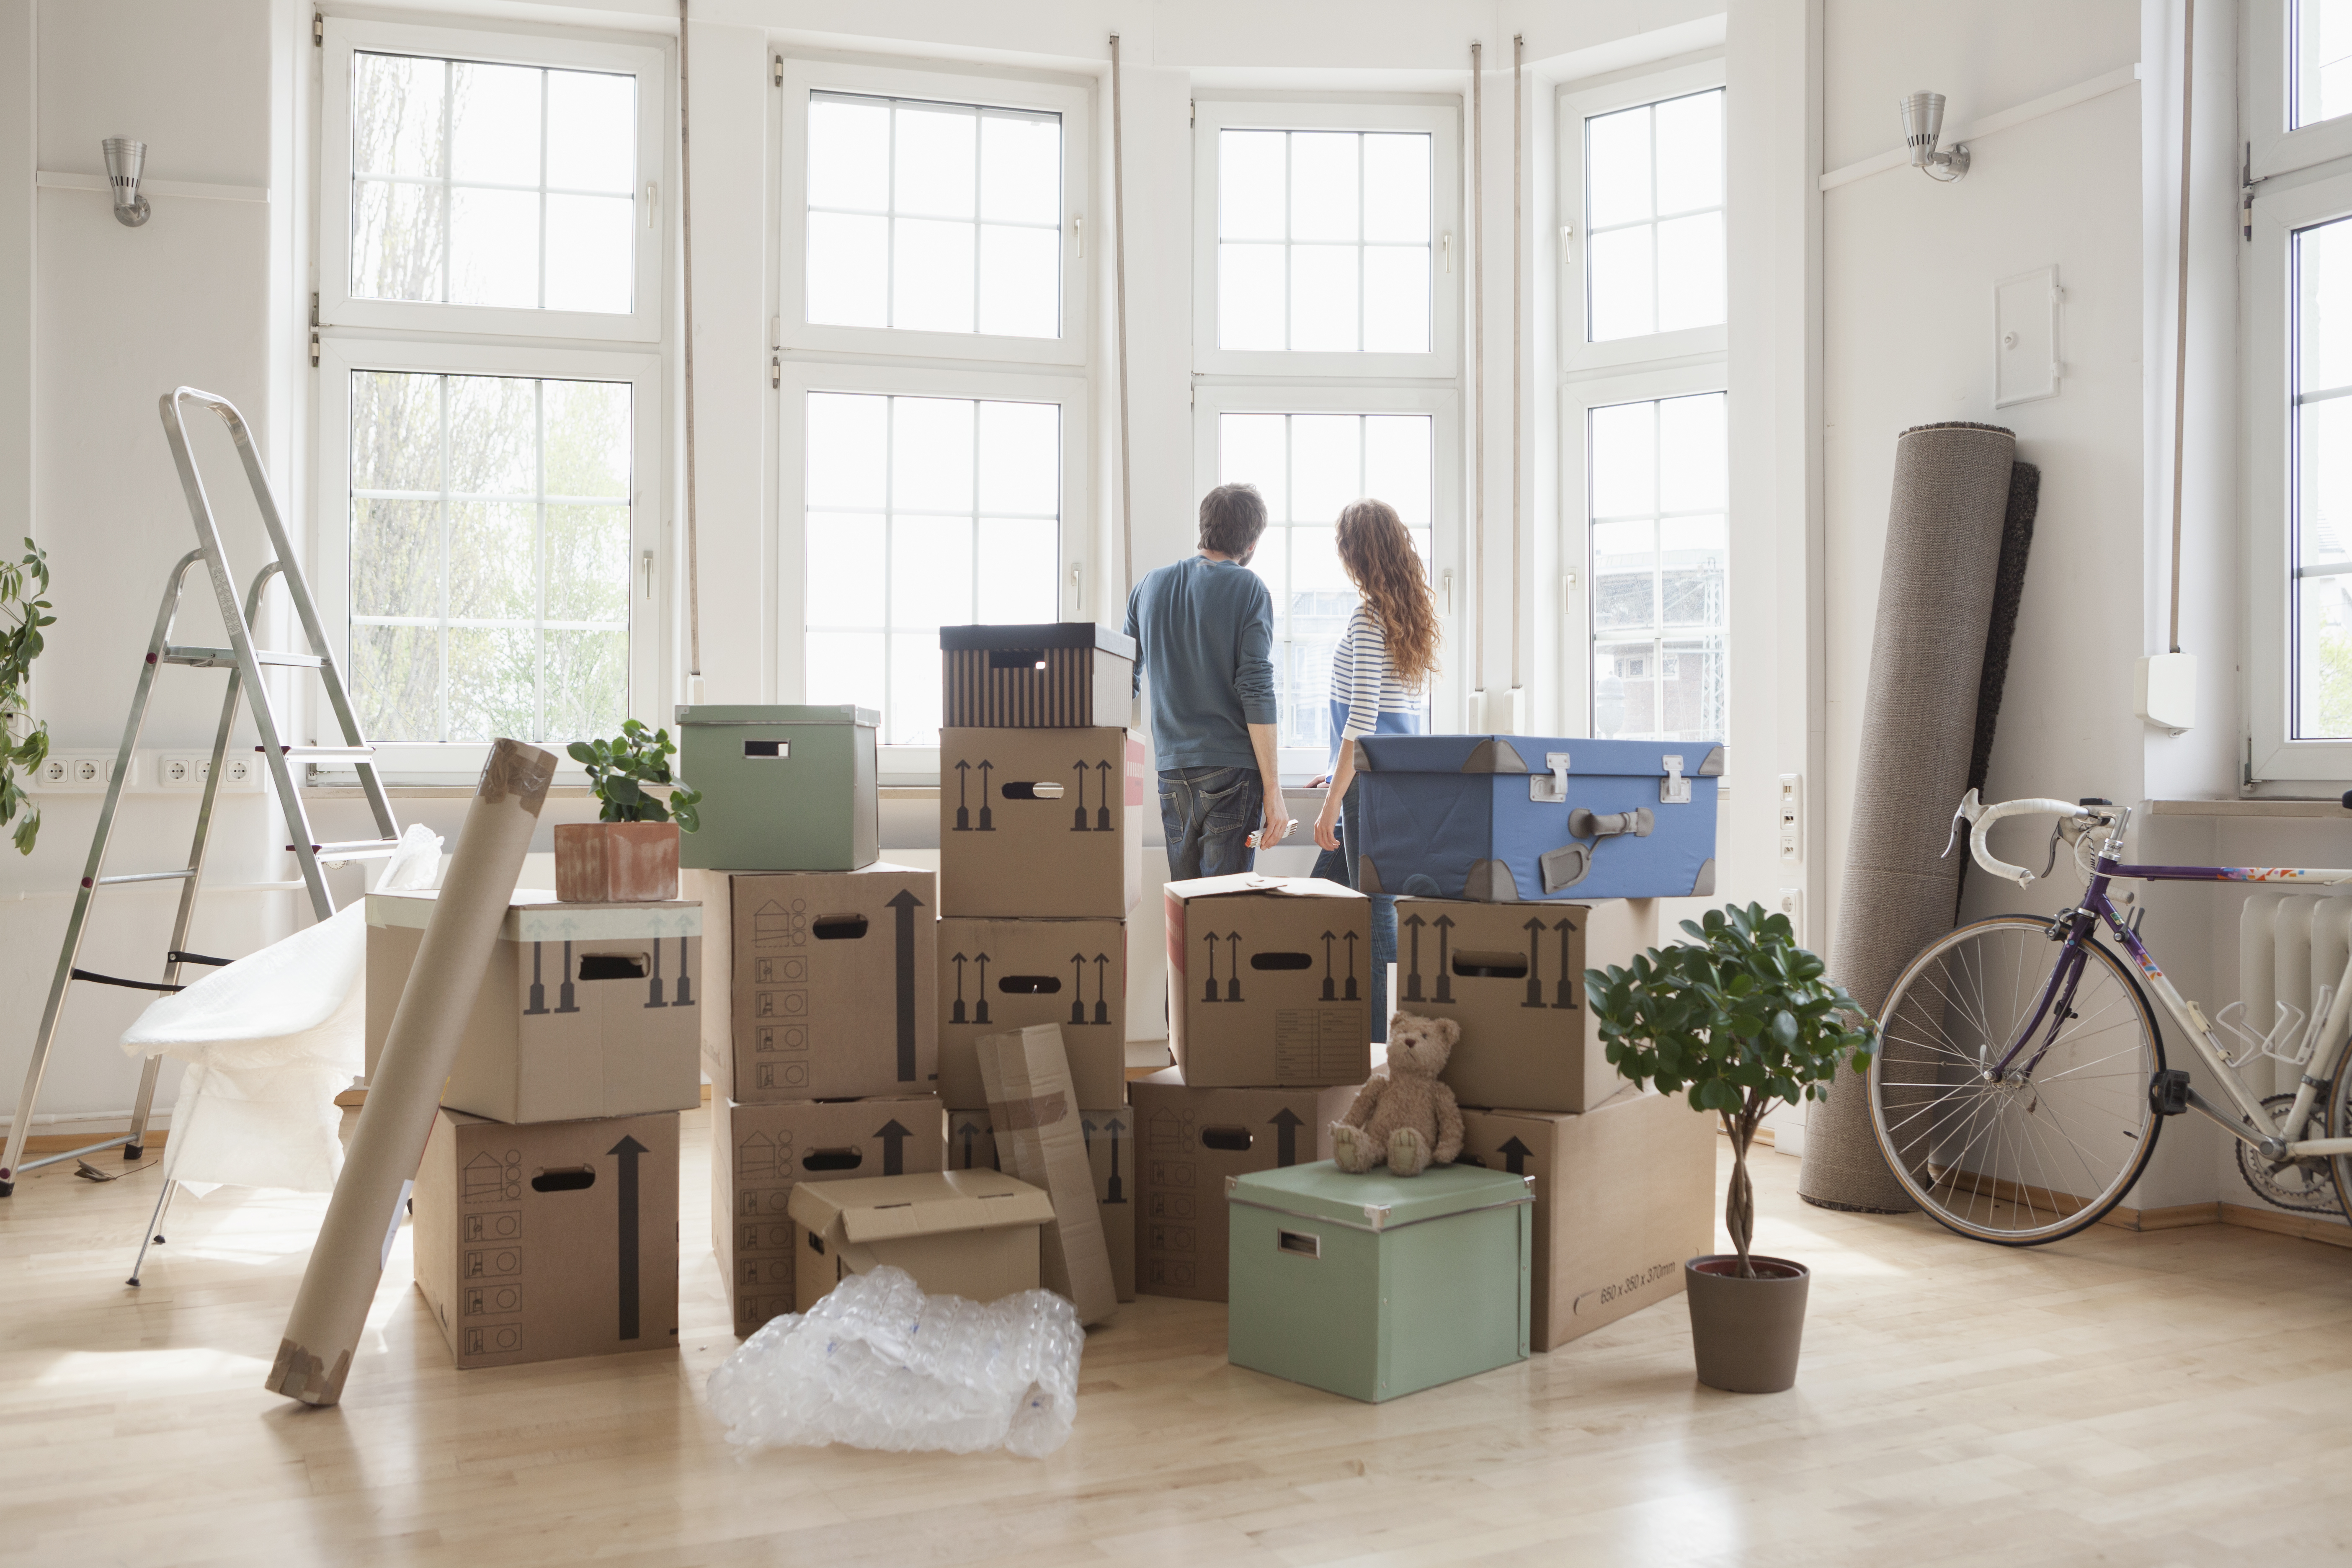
[{"x": 270, "y": 1040}]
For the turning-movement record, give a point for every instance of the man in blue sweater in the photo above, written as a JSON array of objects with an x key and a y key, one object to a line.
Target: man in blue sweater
[{"x": 1204, "y": 630}]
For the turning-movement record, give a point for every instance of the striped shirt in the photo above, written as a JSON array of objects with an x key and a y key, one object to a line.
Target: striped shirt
[{"x": 1368, "y": 696}]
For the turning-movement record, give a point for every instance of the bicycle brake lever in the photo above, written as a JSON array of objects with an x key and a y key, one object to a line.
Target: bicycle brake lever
[
  {"x": 2057, "y": 829},
  {"x": 1963, "y": 814}
]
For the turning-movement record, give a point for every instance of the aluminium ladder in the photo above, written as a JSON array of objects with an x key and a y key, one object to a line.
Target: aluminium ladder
[{"x": 244, "y": 663}]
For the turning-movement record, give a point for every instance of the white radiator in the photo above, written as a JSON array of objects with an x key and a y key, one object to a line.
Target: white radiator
[{"x": 2291, "y": 954}]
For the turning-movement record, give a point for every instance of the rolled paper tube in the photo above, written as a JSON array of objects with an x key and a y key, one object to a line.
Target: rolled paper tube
[{"x": 347, "y": 1261}]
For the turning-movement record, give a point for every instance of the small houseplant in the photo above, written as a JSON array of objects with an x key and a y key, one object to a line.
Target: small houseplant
[
  {"x": 629, "y": 854},
  {"x": 24, "y": 740},
  {"x": 1743, "y": 1020}
]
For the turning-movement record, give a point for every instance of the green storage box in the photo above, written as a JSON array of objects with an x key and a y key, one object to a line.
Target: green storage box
[
  {"x": 1375, "y": 1286},
  {"x": 783, "y": 789}
]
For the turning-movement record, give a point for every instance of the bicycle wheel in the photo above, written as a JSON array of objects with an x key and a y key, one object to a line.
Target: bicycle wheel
[
  {"x": 2042, "y": 1151},
  {"x": 2339, "y": 1125}
]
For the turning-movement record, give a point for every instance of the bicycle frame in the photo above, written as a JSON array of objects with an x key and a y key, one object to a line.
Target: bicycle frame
[{"x": 2057, "y": 999}]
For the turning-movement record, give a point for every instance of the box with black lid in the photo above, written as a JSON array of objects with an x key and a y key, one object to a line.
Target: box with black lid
[{"x": 1062, "y": 675}]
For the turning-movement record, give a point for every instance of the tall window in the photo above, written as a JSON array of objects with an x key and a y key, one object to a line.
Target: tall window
[
  {"x": 1645, "y": 531},
  {"x": 1323, "y": 241},
  {"x": 936, "y": 262},
  {"x": 490, "y": 269}
]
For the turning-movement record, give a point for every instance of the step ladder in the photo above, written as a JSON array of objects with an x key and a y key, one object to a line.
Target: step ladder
[{"x": 244, "y": 663}]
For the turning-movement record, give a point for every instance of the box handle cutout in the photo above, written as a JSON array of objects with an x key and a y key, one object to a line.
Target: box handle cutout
[
  {"x": 838, "y": 928},
  {"x": 816, "y": 1243},
  {"x": 1281, "y": 961},
  {"x": 1299, "y": 1243},
  {"x": 1233, "y": 1140},
  {"x": 1030, "y": 984},
  {"x": 1479, "y": 965},
  {"x": 832, "y": 1160},
  {"x": 1016, "y": 659},
  {"x": 612, "y": 966},
  {"x": 1038, "y": 790},
  {"x": 766, "y": 751},
  {"x": 578, "y": 1179}
]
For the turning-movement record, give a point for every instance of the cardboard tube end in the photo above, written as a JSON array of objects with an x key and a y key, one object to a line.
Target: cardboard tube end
[
  {"x": 299, "y": 1375},
  {"x": 518, "y": 770}
]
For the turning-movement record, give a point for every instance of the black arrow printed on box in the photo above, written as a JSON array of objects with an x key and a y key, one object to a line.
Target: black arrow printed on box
[
  {"x": 1515, "y": 1156},
  {"x": 894, "y": 1147},
  {"x": 906, "y": 904},
  {"x": 1285, "y": 1138},
  {"x": 629, "y": 1150}
]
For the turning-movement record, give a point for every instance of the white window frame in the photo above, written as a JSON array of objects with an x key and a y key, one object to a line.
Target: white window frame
[
  {"x": 798, "y": 378},
  {"x": 1576, "y": 401},
  {"x": 1441, "y": 119},
  {"x": 1080, "y": 251},
  {"x": 2273, "y": 148},
  {"x": 1443, "y": 406},
  {"x": 460, "y": 761},
  {"x": 2268, "y": 317},
  {"x": 648, "y": 64},
  {"x": 1577, "y": 353}
]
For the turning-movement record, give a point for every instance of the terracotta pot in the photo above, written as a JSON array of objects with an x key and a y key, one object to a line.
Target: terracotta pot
[
  {"x": 1745, "y": 1333},
  {"x": 615, "y": 862}
]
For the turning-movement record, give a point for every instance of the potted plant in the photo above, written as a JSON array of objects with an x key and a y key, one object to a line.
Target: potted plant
[
  {"x": 629, "y": 855},
  {"x": 23, "y": 741},
  {"x": 1743, "y": 1020}
]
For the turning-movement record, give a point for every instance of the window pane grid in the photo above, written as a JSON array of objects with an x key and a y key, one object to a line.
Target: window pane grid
[
  {"x": 476, "y": 183},
  {"x": 2322, "y": 77},
  {"x": 1654, "y": 217},
  {"x": 480, "y": 610},
  {"x": 1655, "y": 496},
  {"x": 922, "y": 512},
  {"x": 1359, "y": 280},
  {"x": 2320, "y": 525}
]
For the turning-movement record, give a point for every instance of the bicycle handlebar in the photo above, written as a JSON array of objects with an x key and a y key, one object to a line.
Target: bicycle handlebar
[{"x": 1981, "y": 816}]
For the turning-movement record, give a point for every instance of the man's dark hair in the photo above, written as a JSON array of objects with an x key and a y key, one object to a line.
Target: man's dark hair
[{"x": 1231, "y": 517}]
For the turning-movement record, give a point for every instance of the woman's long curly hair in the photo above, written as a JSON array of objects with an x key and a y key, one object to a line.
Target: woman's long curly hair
[{"x": 1387, "y": 571}]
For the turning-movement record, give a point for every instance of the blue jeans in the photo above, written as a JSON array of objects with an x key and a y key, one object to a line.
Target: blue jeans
[
  {"x": 1340, "y": 866},
  {"x": 1207, "y": 814}
]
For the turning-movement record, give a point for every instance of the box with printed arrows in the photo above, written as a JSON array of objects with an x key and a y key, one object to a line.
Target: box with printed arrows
[
  {"x": 1513, "y": 976},
  {"x": 1007, "y": 974},
  {"x": 759, "y": 1153},
  {"x": 545, "y": 1240},
  {"x": 1041, "y": 822},
  {"x": 1269, "y": 982},
  {"x": 821, "y": 982},
  {"x": 1110, "y": 1138}
]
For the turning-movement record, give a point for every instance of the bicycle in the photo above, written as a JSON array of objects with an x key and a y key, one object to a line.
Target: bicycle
[{"x": 2017, "y": 1101}]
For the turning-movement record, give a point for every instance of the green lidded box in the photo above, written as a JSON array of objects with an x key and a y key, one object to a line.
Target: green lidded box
[
  {"x": 1376, "y": 1285},
  {"x": 783, "y": 788}
]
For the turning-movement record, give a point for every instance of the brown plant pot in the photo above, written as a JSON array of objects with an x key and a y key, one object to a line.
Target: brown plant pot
[
  {"x": 615, "y": 862},
  {"x": 1745, "y": 1333}
]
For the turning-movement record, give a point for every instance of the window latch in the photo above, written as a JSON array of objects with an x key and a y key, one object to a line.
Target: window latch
[
  {"x": 647, "y": 561},
  {"x": 1078, "y": 227},
  {"x": 1445, "y": 249}
]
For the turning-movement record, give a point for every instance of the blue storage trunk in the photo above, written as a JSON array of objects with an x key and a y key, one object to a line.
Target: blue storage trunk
[{"x": 1497, "y": 818}]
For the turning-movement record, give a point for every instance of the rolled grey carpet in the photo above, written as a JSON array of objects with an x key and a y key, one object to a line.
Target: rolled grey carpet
[{"x": 1936, "y": 598}]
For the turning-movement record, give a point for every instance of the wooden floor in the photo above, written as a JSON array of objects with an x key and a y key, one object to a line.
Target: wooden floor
[{"x": 2177, "y": 1396}]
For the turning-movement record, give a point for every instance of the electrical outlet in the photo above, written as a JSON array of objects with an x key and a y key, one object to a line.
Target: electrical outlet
[
  {"x": 1792, "y": 819},
  {"x": 1791, "y": 904},
  {"x": 79, "y": 772},
  {"x": 240, "y": 772},
  {"x": 182, "y": 772}
]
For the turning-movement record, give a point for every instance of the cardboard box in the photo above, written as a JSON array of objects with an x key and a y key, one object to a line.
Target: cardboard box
[
  {"x": 1191, "y": 1140},
  {"x": 783, "y": 788},
  {"x": 1035, "y": 1112},
  {"x": 551, "y": 1240},
  {"x": 1624, "y": 1193},
  {"x": 587, "y": 1010},
  {"x": 1513, "y": 976},
  {"x": 759, "y": 1153},
  {"x": 1110, "y": 1138},
  {"x": 1007, "y": 974},
  {"x": 1269, "y": 982},
  {"x": 1041, "y": 822},
  {"x": 960, "y": 1233},
  {"x": 823, "y": 982},
  {"x": 1062, "y": 675}
]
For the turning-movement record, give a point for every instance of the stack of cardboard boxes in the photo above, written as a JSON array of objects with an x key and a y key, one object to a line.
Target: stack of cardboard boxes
[
  {"x": 821, "y": 1037},
  {"x": 546, "y": 1203},
  {"x": 1041, "y": 856}
]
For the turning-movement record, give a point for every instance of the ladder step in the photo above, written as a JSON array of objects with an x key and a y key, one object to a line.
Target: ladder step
[
  {"x": 225, "y": 658},
  {"x": 353, "y": 849},
  {"x": 179, "y": 876},
  {"x": 97, "y": 979},
  {"x": 324, "y": 754},
  {"x": 178, "y": 957}
]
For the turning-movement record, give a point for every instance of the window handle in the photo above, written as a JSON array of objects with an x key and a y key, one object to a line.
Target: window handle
[
  {"x": 653, "y": 201},
  {"x": 647, "y": 561},
  {"x": 1445, "y": 249},
  {"x": 1445, "y": 582},
  {"x": 1078, "y": 227}
]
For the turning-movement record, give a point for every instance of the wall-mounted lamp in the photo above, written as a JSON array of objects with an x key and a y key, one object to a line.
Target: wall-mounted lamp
[
  {"x": 1923, "y": 122},
  {"x": 124, "y": 159}
]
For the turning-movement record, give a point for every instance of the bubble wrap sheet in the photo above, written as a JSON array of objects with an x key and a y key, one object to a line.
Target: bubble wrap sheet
[{"x": 878, "y": 1365}]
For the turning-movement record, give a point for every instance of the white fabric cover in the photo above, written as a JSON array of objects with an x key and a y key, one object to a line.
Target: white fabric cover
[{"x": 271, "y": 1040}]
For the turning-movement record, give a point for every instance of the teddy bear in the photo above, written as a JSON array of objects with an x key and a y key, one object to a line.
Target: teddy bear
[{"x": 1404, "y": 1117}]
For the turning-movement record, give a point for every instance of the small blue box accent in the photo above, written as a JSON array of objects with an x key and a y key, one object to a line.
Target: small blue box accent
[{"x": 1498, "y": 818}]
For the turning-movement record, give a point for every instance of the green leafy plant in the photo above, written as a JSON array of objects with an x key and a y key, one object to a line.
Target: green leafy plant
[
  {"x": 1741, "y": 1018},
  {"x": 23, "y": 741},
  {"x": 619, "y": 769}
]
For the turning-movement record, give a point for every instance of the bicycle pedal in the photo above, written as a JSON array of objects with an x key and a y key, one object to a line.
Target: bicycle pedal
[{"x": 2168, "y": 1092}]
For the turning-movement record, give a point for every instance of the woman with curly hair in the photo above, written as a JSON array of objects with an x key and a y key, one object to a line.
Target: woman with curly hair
[{"x": 1379, "y": 674}]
